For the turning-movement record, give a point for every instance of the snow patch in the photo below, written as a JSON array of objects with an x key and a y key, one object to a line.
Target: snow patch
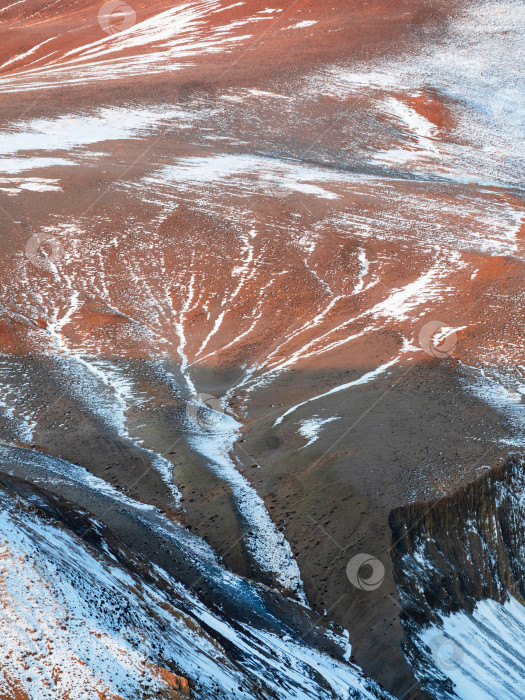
[
  {"x": 311, "y": 427},
  {"x": 482, "y": 653}
]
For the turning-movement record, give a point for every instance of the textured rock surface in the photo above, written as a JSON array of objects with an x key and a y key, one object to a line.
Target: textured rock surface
[
  {"x": 262, "y": 269},
  {"x": 450, "y": 554}
]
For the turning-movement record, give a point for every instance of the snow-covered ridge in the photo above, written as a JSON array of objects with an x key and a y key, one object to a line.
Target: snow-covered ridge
[
  {"x": 49, "y": 616},
  {"x": 482, "y": 653},
  {"x": 133, "y": 638}
]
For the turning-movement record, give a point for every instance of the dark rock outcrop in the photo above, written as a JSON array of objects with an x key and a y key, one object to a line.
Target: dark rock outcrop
[{"x": 451, "y": 553}]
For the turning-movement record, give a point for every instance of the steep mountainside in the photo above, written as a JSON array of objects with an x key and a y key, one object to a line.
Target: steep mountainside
[{"x": 261, "y": 316}]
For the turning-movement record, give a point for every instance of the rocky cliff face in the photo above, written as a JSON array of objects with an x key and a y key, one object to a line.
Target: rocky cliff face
[{"x": 452, "y": 553}]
